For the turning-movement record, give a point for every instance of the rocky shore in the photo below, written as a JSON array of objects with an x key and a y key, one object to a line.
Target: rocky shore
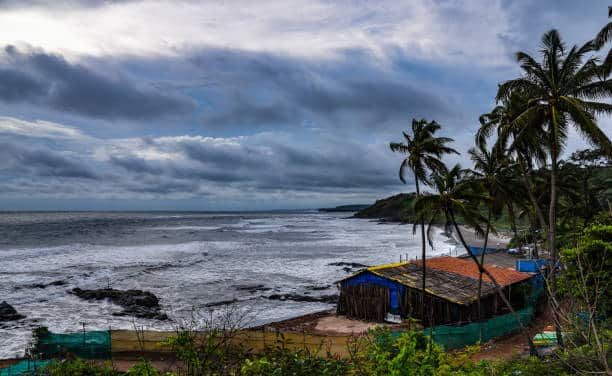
[
  {"x": 137, "y": 303},
  {"x": 9, "y": 313}
]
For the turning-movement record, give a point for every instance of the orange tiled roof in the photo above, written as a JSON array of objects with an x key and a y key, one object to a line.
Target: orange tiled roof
[{"x": 468, "y": 268}]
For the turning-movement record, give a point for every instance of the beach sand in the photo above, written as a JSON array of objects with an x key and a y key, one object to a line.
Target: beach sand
[{"x": 473, "y": 240}]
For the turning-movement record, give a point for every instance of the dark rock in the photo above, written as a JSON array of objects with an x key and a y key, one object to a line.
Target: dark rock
[
  {"x": 330, "y": 299},
  {"x": 137, "y": 303},
  {"x": 349, "y": 264},
  {"x": 318, "y": 288},
  {"x": 45, "y": 285},
  {"x": 252, "y": 288},
  {"x": 42, "y": 285},
  {"x": 221, "y": 303},
  {"x": 8, "y": 313}
]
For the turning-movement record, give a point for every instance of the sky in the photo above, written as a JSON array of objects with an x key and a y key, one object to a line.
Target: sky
[{"x": 248, "y": 105}]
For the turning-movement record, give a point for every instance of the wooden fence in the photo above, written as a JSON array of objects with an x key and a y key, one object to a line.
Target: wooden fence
[{"x": 133, "y": 342}]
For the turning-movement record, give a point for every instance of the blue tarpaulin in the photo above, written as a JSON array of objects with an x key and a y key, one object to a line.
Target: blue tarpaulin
[
  {"x": 478, "y": 250},
  {"x": 395, "y": 289},
  {"x": 530, "y": 266}
]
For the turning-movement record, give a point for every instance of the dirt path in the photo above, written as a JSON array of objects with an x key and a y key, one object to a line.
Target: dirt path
[{"x": 512, "y": 345}]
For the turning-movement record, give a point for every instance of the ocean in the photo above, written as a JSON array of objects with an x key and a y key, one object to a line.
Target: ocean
[{"x": 194, "y": 262}]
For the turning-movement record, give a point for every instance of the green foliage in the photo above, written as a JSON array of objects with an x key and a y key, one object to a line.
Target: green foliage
[
  {"x": 208, "y": 353},
  {"x": 532, "y": 366},
  {"x": 588, "y": 269},
  {"x": 143, "y": 368},
  {"x": 379, "y": 353},
  {"x": 395, "y": 208},
  {"x": 282, "y": 361},
  {"x": 78, "y": 367}
]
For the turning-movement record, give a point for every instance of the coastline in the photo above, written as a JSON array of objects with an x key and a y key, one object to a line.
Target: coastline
[{"x": 474, "y": 240}]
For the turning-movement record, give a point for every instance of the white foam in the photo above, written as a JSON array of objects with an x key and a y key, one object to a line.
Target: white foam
[{"x": 192, "y": 274}]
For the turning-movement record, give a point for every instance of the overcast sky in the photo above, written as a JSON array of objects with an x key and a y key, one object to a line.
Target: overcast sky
[{"x": 247, "y": 105}]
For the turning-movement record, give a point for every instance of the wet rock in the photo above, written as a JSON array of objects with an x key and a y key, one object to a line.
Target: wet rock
[
  {"x": 252, "y": 288},
  {"x": 330, "y": 299},
  {"x": 41, "y": 285},
  {"x": 318, "y": 288},
  {"x": 137, "y": 303},
  {"x": 221, "y": 303},
  {"x": 348, "y": 264},
  {"x": 9, "y": 313}
]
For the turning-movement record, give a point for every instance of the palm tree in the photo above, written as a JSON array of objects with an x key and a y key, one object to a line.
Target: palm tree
[
  {"x": 525, "y": 149},
  {"x": 455, "y": 197},
  {"x": 423, "y": 152},
  {"x": 562, "y": 90},
  {"x": 603, "y": 37},
  {"x": 489, "y": 173}
]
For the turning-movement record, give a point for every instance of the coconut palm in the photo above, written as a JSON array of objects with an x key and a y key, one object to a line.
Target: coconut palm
[
  {"x": 455, "y": 197},
  {"x": 603, "y": 37},
  {"x": 525, "y": 150},
  {"x": 561, "y": 91},
  {"x": 489, "y": 173},
  {"x": 423, "y": 152}
]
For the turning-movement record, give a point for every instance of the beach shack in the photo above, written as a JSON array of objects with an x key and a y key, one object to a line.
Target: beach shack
[{"x": 451, "y": 291}]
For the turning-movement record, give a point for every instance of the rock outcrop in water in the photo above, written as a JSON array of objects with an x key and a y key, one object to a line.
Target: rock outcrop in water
[
  {"x": 330, "y": 299},
  {"x": 9, "y": 313},
  {"x": 137, "y": 303}
]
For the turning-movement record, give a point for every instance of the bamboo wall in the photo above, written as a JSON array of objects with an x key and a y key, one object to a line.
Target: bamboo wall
[
  {"x": 371, "y": 302},
  {"x": 364, "y": 301}
]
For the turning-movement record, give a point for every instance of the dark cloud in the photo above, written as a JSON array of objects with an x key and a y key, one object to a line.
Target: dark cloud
[
  {"x": 16, "y": 86},
  {"x": 264, "y": 89},
  {"x": 134, "y": 164},
  {"x": 266, "y": 165},
  {"x": 23, "y": 161},
  {"x": 62, "y": 4},
  {"x": 49, "y": 79}
]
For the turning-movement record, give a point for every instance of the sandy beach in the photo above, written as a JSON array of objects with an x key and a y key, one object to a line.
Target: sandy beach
[{"x": 473, "y": 240}]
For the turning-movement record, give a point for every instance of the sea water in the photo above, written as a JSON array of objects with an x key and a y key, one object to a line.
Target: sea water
[{"x": 194, "y": 262}]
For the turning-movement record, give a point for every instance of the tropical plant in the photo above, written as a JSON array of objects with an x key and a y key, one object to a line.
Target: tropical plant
[
  {"x": 525, "y": 150},
  {"x": 603, "y": 37},
  {"x": 562, "y": 90},
  {"x": 489, "y": 172},
  {"x": 423, "y": 152},
  {"x": 455, "y": 197},
  {"x": 586, "y": 284}
]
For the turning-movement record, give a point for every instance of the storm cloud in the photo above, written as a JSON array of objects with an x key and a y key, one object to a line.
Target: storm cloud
[
  {"x": 19, "y": 160},
  {"x": 248, "y": 105},
  {"x": 261, "y": 89},
  {"x": 50, "y": 80}
]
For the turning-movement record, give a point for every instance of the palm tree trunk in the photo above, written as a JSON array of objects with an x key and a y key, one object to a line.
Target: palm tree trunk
[
  {"x": 424, "y": 270},
  {"x": 532, "y": 348},
  {"x": 512, "y": 218},
  {"x": 532, "y": 198},
  {"x": 552, "y": 234},
  {"x": 482, "y": 255},
  {"x": 533, "y": 228}
]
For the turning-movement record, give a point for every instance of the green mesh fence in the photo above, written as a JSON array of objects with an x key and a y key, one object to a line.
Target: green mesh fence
[
  {"x": 452, "y": 337},
  {"x": 23, "y": 368},
  {"x": 89, "y": 345}
]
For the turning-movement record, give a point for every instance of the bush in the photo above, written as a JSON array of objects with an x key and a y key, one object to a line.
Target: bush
[{"x": 78, "y": 367}]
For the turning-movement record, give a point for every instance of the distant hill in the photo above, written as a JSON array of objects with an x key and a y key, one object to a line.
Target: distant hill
[
  {"x": 398, "y": 208},
  {"x": 344, "y": 208}
]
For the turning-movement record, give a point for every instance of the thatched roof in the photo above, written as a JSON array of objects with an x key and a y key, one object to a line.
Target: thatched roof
[
  {"x": 442, "y": 282},
  {"x": 468, "y": 268}
]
